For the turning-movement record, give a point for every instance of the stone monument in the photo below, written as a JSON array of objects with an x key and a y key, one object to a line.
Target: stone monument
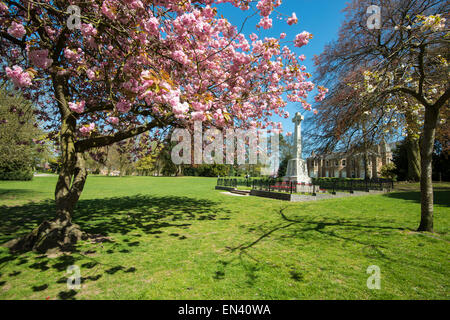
[{"x": 297, "y": 168}]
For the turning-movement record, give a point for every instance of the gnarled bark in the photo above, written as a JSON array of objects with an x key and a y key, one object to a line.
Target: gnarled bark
[{"x": 59, "y": 233}]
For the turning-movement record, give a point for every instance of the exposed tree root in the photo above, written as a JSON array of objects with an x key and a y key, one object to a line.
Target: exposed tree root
[{"x": 50, "y": 235}]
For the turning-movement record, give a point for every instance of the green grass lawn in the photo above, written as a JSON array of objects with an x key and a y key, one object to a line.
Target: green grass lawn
[{"x": 178, "y": 238}]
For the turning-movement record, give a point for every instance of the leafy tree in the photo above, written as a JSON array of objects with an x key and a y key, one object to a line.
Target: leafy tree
[
  {"x": 146, "y": 165},
  {"x": 282, "y": 170},
  {"x": 441, "y": 162},
  {"x": 20, "y": 147},
  {"x": 399, "y": 69},
  {"x": 400, "y": 160}
]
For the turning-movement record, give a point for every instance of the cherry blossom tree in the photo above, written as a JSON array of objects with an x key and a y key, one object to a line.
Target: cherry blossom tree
[{"x": 105, "y": 71}]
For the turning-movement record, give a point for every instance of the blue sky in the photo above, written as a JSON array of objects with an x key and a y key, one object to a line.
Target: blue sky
[{"x": 322, "y": 18}]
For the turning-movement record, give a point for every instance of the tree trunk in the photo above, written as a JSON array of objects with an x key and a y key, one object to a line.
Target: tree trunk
[
  {"x": 413, "y": 155},
  {"x": 60, "y": 233},
  {"x": 426, "y": 183},
  {"x": 366, "y": 163}
]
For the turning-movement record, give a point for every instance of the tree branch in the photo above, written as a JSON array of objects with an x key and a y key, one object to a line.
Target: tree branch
[{"x": 95, "y": 142}]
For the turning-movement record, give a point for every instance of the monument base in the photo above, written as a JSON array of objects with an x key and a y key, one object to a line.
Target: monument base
[{"x": 297, "y": 171}]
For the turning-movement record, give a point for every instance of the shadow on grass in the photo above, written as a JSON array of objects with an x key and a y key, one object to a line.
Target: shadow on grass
[
  {"x": 121, "y": 215},
  {"x": 12, "y": 193},
  {"x": 306, "y": 228},
  {"x": 113, "y": 215},
  {"x": 441, "y": 196}
]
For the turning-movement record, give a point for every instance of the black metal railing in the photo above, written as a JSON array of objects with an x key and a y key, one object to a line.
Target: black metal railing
[
  {"x": 351, "y": 185},
  {"x": 317, "y": 185},
  {"x": 234, "y": 182},
  {"x": 273, "y": 185}
]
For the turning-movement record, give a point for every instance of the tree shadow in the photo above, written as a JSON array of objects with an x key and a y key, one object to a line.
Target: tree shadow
[
  {"x": 11, "y": 193},
  {"x": 441, "y": 196},
  {"x": 305, "y": 228},
  {"x": 105, "y": 217}
]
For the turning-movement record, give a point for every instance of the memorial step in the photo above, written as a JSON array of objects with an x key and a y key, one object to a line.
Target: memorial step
[{"x": 241, "y": 192}]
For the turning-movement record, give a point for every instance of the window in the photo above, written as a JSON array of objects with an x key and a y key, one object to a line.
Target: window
[
  {"x": 336, "y": 163},
  {"x": 328, "y": 163},
  {"x": 344, "y": 163}
]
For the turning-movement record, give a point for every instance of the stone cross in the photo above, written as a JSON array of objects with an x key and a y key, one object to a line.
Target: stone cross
[{"x": 298, "y": 134}]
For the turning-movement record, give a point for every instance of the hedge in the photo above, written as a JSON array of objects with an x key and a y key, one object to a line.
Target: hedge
[{"x": 19, "y": 175}]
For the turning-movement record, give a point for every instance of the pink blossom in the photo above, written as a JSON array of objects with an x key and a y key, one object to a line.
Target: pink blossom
[
  {"x": 107, "y": 11},
  {"x": 113, "y": 120},
  {"x": 87, "y": 129},
  {"x": 77, "y": 107},
  {"x": 302, "y": 39},
  {"x": 123, "y": 106},
  {"x": 180, "y": 56},
  {"x": 19, "y": 77},
  {"x": 265, "y": 7},
  {"x": 197, "y": 106},
  {"x": 135, "y": 4},
  {"x": 180, "y": 109},
  {"x": 16, "y": 30},
  {"x": 282, "y": 35},
  {"x": 88, "y": 30},
  {"x": 253, "y": 37},
  {"x": 265, "y": 23},
  {"x": 51, "y": 32},
  {"x": 3, "y": 7},
  {"x": 293, "y": 19},
  {"x": 40, "y": 58},
  {"x": 151, "y": 26},
  {"x": 71, "y": 54},
  {"x": 91, "y": 74},
  {"x": 198, "y": 116}
]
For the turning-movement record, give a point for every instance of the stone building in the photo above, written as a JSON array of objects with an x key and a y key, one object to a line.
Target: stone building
[{"x": 349, "y": 165}]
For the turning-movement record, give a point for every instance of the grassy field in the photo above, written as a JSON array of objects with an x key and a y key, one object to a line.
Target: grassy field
[{"x": 178, "y": 238}]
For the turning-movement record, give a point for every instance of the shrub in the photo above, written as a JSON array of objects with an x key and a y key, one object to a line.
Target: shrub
[
  {"x": 389, "y": 171},
  {"x": 16, "y": 170},
  {"x": 19, "y": 175}
]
